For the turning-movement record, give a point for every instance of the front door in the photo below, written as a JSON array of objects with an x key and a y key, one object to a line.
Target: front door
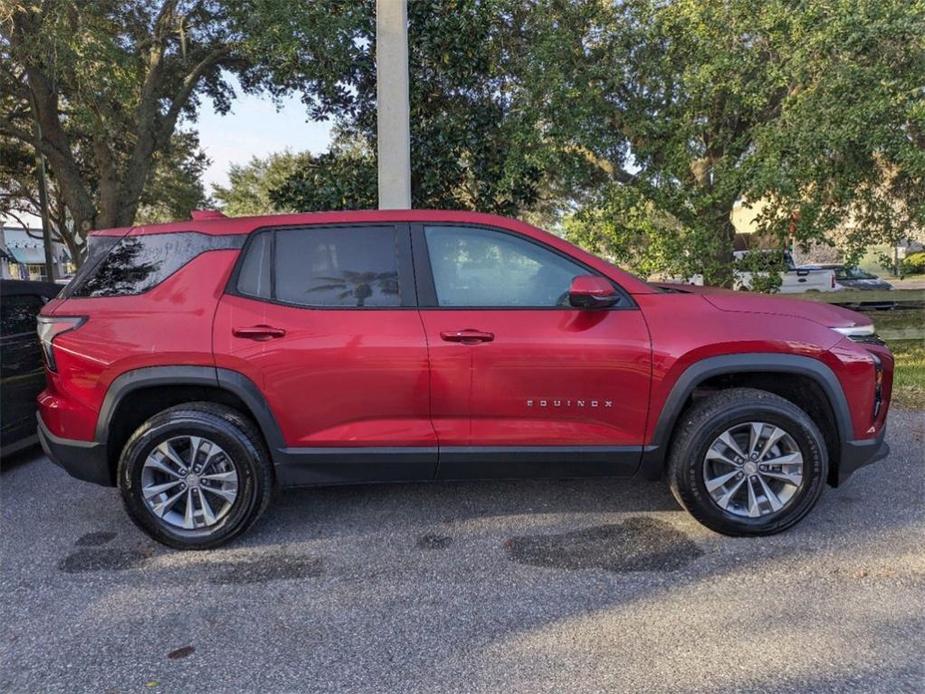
[
  {"x": 322, "y": 320},
  {"x": 522, "y": 384}
]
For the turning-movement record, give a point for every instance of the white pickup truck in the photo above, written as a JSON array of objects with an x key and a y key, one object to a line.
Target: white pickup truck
[{"x": 794, "y": 280}]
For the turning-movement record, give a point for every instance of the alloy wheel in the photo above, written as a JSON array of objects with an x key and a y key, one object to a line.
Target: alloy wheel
[
  {"x": 189, "y": 482},
  {"x": 753, "y": 469}
]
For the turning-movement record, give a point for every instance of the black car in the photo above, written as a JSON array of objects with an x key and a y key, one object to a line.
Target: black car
[
  {"x": 22, "y": 375},
  {"x": 854, "y": 278}
]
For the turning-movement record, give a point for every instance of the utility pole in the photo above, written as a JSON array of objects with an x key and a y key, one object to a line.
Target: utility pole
[{"x": 392, "y": 110}]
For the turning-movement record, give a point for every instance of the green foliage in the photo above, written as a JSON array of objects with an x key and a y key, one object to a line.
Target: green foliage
[
  {"x": 914, "y": 263},
  {"x": 847, "y": 151},
  {"x": 174, "y": 187},
  {"x": 343, "y": 178},
  {"x": 108, "y": 83},
  {"x": 691, "y": 105},
  {"x": 642, "y": 122},
  {"x": 472, "y": 146},
  {"x": 627, "y": 229},
  {"x": 250, "y": 185},
  {"x": 764, "y": 267}
]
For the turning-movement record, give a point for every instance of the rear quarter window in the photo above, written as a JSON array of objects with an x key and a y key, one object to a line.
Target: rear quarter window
[{"x": 138, "y": 263}]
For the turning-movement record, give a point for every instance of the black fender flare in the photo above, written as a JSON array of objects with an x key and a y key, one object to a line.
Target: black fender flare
[
  {"x": 225, "y": 379},
  {"x": 759, "y": 362}
]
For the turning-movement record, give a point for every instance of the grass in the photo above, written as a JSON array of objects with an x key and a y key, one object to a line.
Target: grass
[
  {"x": 909, "y": 377},
  {"x": 897, "y": 319}
]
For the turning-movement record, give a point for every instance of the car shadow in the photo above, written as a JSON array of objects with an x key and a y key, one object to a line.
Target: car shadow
[
  {"x": 26, "y": 455},
  {"x": 351, "y": 507}
]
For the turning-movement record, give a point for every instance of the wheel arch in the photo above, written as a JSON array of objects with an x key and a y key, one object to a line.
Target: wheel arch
[
  {"x": 751, "y": 366},
  {"x": 136, "y": 395}
]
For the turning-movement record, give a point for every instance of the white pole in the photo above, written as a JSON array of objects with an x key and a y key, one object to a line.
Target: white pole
[{"x": 392, "y": 104}]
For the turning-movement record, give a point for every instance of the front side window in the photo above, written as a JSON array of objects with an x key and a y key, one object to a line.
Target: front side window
[
  {"x": 337, "y": 267},
  {"x": 474, "y": 267}
]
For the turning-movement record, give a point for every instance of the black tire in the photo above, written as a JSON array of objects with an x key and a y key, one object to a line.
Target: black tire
[
  {"x": 707, "y": 419},
  {"x": 236, "y": 435}
]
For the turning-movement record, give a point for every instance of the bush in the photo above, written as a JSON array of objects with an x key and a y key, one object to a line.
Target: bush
[{"x": 914, "y": 263}]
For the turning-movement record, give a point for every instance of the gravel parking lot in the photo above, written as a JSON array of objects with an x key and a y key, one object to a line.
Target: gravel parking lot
[{"x": 470, "y": 587}]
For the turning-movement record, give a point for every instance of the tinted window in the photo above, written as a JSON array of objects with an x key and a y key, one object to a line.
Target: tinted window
[
  {"x": 97, "y": 249},
  {"x": 138, "y": 263},
  {"x": 254, "y": 277},
  {"x": 486, "y": 268},
  {"x": 18, "y": 312},
  {"x": 337, "y": 266}
]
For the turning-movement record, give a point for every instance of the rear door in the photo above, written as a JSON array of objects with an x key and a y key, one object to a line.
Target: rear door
[
  {"x": 323, "y": 320},
  {"x": 521, "y": 382}
]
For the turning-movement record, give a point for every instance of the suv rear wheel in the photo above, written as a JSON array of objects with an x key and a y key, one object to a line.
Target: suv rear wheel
[
  {"x": 747, "y": 462},
  {"x": 194, "y": 476}
]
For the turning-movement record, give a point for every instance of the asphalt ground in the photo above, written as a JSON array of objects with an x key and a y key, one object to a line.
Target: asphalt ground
[{"x": 528, "y": 586}]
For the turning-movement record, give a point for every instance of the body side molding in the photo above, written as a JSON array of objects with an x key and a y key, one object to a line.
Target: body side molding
[{"x": 485, "y": 462}]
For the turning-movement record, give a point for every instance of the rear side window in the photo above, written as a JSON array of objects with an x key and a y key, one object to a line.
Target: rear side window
[
  {"x": 138, "y": 263},
  {"x": 18, "y": 312},
  {"x": 254, "y": 278},
  {"x": 337, "y": 267}
]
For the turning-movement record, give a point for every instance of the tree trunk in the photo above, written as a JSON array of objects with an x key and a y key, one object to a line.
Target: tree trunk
[{"x": 720, "y": 273}]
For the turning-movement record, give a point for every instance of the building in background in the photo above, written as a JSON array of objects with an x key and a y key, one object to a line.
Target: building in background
[{"x": 22, "y": 255}]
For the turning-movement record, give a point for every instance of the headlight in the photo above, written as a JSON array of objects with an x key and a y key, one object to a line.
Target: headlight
[
  {"x": 856, "y": 330},
  {"x": 861, "y": 333}
]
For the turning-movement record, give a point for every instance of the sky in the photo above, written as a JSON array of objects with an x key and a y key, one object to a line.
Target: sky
[{"x": 255, "y": 127}]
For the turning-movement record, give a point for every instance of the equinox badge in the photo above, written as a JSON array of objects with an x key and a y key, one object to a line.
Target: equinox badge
[{"x": 550, "y": 402}]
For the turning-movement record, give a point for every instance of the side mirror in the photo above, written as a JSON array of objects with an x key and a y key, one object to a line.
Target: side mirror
[{"x": 590, "y": 291}]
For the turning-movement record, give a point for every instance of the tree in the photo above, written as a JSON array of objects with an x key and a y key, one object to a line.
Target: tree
[
  {"x": 343, "y": 178},
  {"x": 249, "y": 185},
  {"x": 665, "y": 114},
  {"x": 100, "y": 87},
  {"x": 470, "y": 145},
  {"x": 173, "y": 189}
]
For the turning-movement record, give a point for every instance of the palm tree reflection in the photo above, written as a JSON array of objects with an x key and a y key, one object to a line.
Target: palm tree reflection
[{"x": 359, "y": 285}]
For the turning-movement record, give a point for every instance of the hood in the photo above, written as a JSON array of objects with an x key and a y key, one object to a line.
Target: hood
[{"x": 748, "y": 302}]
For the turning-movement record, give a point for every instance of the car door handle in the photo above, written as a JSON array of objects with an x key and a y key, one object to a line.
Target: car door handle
[
  {"x": 467, "y": 337},
  {"x": 258, "y": 332}
]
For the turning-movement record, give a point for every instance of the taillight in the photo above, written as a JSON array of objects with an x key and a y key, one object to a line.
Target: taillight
[
  {"x": 49, "y": 327},
  {"x": 832, "y": 280}
]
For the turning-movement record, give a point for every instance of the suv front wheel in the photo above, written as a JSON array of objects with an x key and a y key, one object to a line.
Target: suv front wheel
[
  {"x": 194, "y": 476},
  {"x": 747, "y": 462}
]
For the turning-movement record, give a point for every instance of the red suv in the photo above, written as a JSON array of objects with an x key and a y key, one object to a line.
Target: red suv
[{"x": 197, "y": 364}]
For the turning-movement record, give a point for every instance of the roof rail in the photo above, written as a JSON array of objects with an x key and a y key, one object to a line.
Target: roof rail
[{"x": 198, "y": 215}]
